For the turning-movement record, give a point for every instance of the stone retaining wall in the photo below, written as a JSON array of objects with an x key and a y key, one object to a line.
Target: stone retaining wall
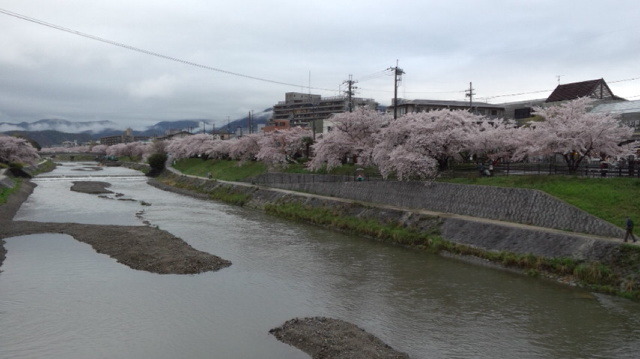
[{"x": 505, "y": 204}]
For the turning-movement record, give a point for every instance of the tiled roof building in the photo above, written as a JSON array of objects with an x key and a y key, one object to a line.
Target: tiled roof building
[{"x": 597, "y": 89}]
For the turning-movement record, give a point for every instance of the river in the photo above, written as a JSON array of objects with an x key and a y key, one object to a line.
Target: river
[{"x": 61, "y": 299}]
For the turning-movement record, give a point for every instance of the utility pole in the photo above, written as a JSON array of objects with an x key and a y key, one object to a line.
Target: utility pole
[
  {"x": 249, "y": 121},
  {"x": 397, "y": 78},
  {"x": 350, "y": 91},
  {"x": 469, "y": 94}
]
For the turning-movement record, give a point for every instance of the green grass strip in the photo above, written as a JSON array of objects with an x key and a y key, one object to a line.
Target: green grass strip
[{"x": 6, "y": 192}]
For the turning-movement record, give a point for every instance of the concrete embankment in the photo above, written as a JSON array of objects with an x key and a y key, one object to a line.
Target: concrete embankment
[{"x": 518, "y": 205}]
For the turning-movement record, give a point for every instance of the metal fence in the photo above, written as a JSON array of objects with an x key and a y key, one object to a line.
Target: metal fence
[
  {"x": 555, "y": 168},
  {"x": 280, "y": 177},
  {"x": 502, "y": 169}
]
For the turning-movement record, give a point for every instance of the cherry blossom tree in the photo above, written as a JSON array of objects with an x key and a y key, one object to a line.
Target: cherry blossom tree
[
  {"x": 245, "y": 148},
  {"x": 418, "y": 144},
  {"x": 570, "y": 130},
  {"x": 497, "y": 139},
  {"x": 134, "y": 150},
  {"x": 351, "y": 136},
  {"x": 282, "y": 147},
  {"x": 99, "y": 149},
  {"x": 190, "y": 146},
  {"x": 220, "y": 149},
  {"x": 17, "y": 150}
]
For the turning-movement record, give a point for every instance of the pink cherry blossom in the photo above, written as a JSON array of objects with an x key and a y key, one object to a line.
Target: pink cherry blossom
[{"x": 19, "y": 150}]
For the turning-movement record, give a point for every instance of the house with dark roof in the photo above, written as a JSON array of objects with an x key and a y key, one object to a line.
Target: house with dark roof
[{"x": 596, "y": 89}]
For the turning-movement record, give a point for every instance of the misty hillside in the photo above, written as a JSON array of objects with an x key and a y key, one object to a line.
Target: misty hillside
[{"x": 53, "y": 132}]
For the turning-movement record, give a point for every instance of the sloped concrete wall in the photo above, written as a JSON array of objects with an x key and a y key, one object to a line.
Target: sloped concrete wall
[{"x": 505, "y": 204}]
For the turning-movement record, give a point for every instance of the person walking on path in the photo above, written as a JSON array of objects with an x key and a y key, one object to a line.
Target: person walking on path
[{"x": 629, "y": 231}]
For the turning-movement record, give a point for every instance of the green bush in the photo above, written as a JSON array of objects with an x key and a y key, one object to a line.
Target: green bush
[{"x": 157, "y": 161}]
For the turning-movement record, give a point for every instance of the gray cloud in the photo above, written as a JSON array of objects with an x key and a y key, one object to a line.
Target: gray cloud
[{"x": 502, "y": 46}]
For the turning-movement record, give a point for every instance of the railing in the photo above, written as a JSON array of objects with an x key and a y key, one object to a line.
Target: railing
[
  {"x": 279, "y": 177},
  {"x": 550, "y": 168}
]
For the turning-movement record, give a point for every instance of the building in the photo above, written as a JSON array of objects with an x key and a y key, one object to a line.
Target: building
[
  {"x": 309, "y": 110},
  {"x": 171, "y": 134},
  {"x": 627, "y": 111},
  {"x": 275, "y": 125},
  {"x": 126, "y": 137},
  {"x": 521, "y": 109},
  {"x": 413, "y": 106},
  {"x": 221, "y": 134},
  {"x": 596, "y": 89}
]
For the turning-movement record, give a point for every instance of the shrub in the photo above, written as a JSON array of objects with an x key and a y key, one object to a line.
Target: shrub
[{"x": 157, "y": 161}]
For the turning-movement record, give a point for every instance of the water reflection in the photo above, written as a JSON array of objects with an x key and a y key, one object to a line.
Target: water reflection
[{"x": 428, "y": 306}]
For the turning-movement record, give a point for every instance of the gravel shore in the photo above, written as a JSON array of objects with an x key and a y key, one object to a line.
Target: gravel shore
[
  {"x": 139, "y": 247},
  {"x": 327, "y": 338}
]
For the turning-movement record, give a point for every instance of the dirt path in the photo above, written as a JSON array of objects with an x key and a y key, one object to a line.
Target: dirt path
[{"x": 139, "y": 247}]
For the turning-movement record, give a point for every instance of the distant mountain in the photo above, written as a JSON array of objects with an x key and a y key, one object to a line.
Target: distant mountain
[
  {"x": 60, "y": 126},
  {"x": 51, "y": 138},
  {"x": 52, "y": 132}
]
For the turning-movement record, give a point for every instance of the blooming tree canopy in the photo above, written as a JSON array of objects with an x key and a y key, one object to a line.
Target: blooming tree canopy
[
  {"x": 497, "y": 139},
  {"x": 281, "y": 147},
  {"x": 352, "y": 135},
  {"x": 245, "y": 148},
  {"x": 19, "y": 150},
  {"x": 130, "y": 149},
  {"x": 418, "y": 144},
  {"x": 574, "y": 133},
  {"x": 190, "y": 146}
]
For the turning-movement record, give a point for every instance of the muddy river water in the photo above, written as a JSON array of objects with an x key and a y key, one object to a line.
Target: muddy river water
[{"x": 61, "y": 299}]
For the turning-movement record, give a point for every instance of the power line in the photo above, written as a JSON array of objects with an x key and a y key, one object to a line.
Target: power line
[
  {"x": 631, "y": 79},
  {"x": 151, "y": 53}
]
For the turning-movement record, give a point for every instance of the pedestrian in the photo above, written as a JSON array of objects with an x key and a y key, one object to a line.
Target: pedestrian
[{"x": 629, "y": 231}]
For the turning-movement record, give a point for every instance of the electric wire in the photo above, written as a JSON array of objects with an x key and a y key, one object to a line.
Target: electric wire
[
  {"x": 152, "y": 53},
  {"x": 374, "y": 75}
]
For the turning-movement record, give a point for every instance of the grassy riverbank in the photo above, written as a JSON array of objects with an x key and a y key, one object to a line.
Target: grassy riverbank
[
  {"x": 6, "y": 192},
  {"x": 236, "y": 171}
]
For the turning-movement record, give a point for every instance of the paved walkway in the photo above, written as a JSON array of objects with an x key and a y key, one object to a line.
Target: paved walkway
[{"x": 413, "y": 210}]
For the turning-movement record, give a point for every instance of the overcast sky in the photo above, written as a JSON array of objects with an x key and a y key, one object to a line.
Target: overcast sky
[{"x": 503, "y": 47}]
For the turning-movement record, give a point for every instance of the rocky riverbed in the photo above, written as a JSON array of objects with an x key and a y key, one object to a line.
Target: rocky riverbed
[
  {"x": 139, "y": 247},
  {"x": 328, "y": 338}
]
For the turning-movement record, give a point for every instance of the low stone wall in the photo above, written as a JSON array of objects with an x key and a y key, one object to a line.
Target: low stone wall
[
  {"x": 505, "y": 204},
  {"x": 5, "y": 181},
  {"x": 477, "y": 233}
]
